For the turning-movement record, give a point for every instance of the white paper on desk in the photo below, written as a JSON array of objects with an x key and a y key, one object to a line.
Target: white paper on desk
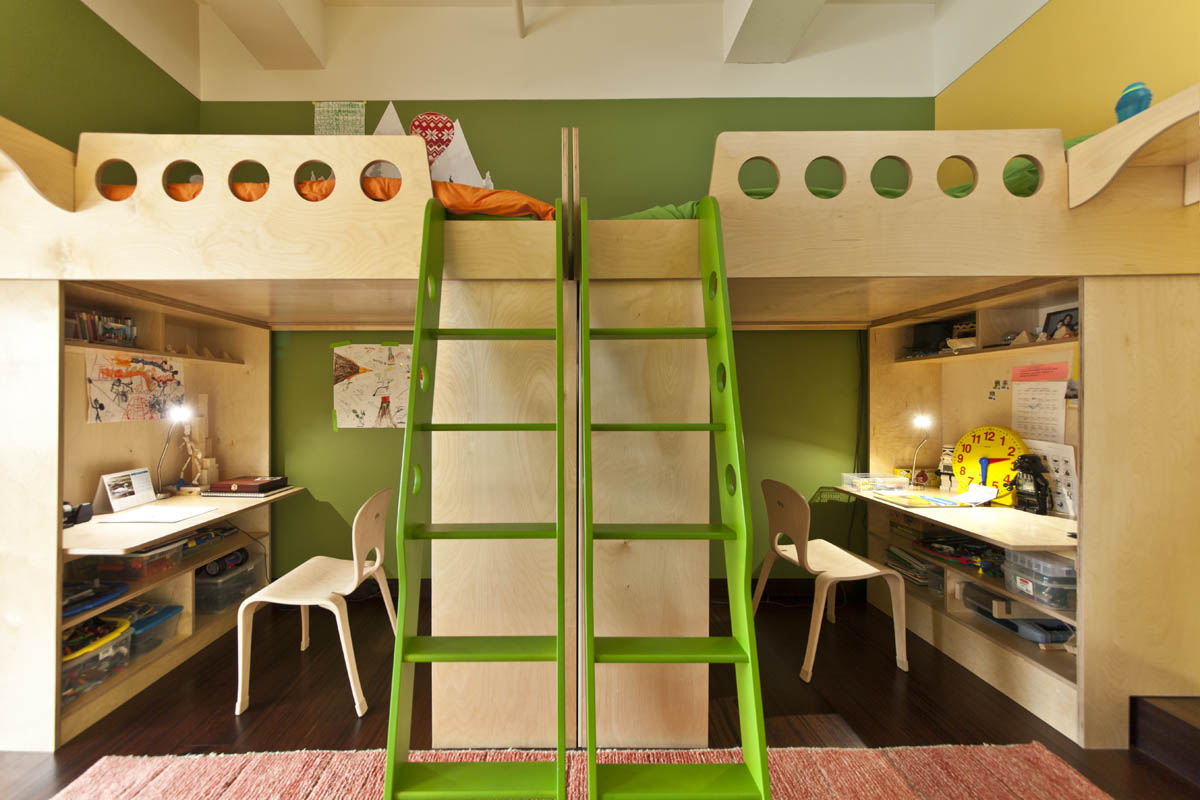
[
  {"x": 1039, "y": 409},
  {"x": 978, "y": 494},
  {"x": 152, "y": 513}
]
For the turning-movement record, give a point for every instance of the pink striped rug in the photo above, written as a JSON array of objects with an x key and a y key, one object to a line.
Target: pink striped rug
[{"x": 977, "y": 772}]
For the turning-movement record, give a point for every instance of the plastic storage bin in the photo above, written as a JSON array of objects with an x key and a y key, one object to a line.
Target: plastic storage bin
[
  {"x": 138, "y": 566},
  {"x": 152, "y": 630},
  {"x": 1046, "y": 578},
  {"x": 93, "y": 652},
  {"x": 872, "y": 481},
  {"x": 215, "y": 594}
]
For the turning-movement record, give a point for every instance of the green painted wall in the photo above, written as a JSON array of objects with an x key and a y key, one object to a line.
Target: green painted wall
[
  {"x": 633, "y": 153},
  {"x": 66, "y": 71}
]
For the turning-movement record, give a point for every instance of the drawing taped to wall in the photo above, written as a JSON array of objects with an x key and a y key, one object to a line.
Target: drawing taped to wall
[
  {"x": 123, "y": 387},
  {"x": 370, "y": 385}
]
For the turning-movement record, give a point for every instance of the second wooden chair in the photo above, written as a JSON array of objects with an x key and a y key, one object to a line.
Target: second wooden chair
[{"x": 789, "y": 517}]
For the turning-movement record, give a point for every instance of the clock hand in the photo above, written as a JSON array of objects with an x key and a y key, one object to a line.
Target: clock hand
[{"x": 983, "y": 467}]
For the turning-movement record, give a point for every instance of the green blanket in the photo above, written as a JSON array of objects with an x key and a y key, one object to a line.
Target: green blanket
[{"x": 1020, "y": 176}]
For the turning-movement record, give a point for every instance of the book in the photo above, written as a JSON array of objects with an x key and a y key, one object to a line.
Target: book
[
  {"x": 246, "y": 495},
  {"x": 249, "y": 484}
]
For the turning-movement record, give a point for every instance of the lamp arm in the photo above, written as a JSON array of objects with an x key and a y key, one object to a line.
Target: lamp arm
[
  {"x": 161, "y": 456},
  {"x": 912, "y": 476}
]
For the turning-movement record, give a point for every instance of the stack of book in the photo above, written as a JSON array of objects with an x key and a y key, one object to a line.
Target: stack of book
[
  {"x": 101, "y": 328},
  {"x": 915, "y": 569}
]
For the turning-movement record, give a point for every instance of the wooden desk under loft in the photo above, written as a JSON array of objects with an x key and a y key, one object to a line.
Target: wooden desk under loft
[{"x": 1043, "y": 681}]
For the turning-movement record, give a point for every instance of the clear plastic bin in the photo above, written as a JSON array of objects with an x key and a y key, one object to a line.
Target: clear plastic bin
[
  {"x": 90, "y": 666},
  {"x": 214, "y": 594},
  {"x": 872, "y": 481},
  {"x": 152, "y": 630},
  {"x": 1048, "y": 579},
  {"x": 137, "y": 566}
]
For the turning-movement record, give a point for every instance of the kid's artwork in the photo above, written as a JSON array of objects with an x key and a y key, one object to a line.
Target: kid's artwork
[
  {"x": 370, "y": 385},
  {"x": 133, "y": 386},
  {"x": 389, "y": 123},
  {"x": 339, "y": 117},
  {"x": 450, "y": 157}
]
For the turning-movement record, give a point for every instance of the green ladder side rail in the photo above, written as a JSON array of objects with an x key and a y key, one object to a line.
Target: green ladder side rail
[
  {"x": 750, "y": 779},
  {"x": 404, "y": 779}
]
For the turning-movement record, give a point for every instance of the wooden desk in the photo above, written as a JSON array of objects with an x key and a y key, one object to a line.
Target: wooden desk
[
  {"x": 996, "y": 525},
  {"x": 96, "y": 538}
]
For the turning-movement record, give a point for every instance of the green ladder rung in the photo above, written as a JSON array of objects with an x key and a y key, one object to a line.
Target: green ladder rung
[
  {"x": 471, "y": 781},
  {"x": 664, "y": 532},
  {"x": 669, "y": 650},
  {"x": 660, "y": 426},
  {"x": 495, "y": 334},
  {"x": 676, "y": 782},
  {"x": 436, "y": 427},
  {"x": 484, "y": 530},
  {"x": 652, "y": 333},
  {"x": 443, "y": 649}
]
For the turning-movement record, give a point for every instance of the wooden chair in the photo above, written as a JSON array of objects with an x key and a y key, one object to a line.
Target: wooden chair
[
  {"x": 323, "y": 581},
  {"x": 789, "y": 516}
]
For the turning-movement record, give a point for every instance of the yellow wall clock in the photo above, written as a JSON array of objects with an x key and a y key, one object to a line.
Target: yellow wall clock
[{"x": 988, "y": 455}]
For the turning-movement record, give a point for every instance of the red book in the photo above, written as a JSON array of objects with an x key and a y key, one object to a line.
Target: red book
[{"x": 248, "y": 484}]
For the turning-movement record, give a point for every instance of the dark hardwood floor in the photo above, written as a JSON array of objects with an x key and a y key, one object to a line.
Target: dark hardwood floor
[{"x": 302, "y": 701}]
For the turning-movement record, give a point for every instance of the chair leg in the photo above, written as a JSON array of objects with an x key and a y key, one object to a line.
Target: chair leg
[
  {"x": 763, "y": 574},
  {"x": 303, "y": 628},
  {"x": 337, "y": 605},
  {"x": 245, "y": 632},
  {"x": 381, "y": 579},
  {"x": 896, "y": 585},
  {"x": 830, "y": 605},
  {"x": 820, "y": 591}
]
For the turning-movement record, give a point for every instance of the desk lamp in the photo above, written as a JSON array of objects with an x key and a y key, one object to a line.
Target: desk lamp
[
  {"x": 176, "y": 414},
  {"x": 922, "y": 422}
]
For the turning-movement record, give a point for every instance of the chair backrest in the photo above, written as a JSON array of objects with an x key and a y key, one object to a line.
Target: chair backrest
[
  {"x": 368, "y": 533},
  {"x": 788, "y": 514}
]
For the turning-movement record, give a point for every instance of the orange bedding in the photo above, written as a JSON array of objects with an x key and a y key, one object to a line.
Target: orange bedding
[{"x": 456, "y": 197}]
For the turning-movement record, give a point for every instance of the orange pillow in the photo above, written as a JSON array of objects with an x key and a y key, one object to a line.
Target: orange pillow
[
  {"x": 117, "y": 191},
  {"x": 316, "y": 190},
  {"x": 461, "y": 199},
  {"x": 380, "y": 188},
  {"x": 249, "y": 190},
  {"x": 184, "y": 191}
]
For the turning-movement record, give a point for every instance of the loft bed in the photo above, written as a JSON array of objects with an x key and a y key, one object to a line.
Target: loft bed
[{"x": 1114, "y": 221}]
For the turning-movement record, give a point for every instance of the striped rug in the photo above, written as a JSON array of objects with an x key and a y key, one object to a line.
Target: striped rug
[{"x": 976, "y": 772}]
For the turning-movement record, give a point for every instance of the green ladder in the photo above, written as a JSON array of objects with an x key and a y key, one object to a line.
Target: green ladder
[
  {"x": 749, "y": 779},
  {"x": 404, "y": 779}
]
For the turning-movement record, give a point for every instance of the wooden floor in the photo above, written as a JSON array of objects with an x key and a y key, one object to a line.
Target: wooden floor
[{"x": 302, "y": 701}]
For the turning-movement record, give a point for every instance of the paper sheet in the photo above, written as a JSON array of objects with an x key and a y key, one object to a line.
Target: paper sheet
[
  {"x": 1064, "y": 479},
  {"x": 153, "y": 513},
  {"x": 370, "y": 385},
  {"x": 1039, "y": 409}
]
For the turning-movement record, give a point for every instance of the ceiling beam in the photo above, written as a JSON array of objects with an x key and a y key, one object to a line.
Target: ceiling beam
[
  {"x": 766, "y": 31},
  {"x": 280, "y": 34}
]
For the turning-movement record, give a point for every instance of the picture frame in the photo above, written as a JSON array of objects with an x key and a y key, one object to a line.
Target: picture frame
[{"x": 1062, "y": 323}]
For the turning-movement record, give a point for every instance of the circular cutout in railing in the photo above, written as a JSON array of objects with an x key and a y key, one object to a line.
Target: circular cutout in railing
[
  {"x": 825, "y": 177},
  {"x": 183, "y": 180},
  {"x": 758, "y": 177},
  {"x": 957, "y": 176},
  {"x": 891, "y": 177},
  {"x": 730, "y": 479},
  {"x": 249, "y": 181},
  {"x": 1023, "y": 176},
  {"x": 380, "y": 180},
  {"x": 116, "y": 179},
  {"x": 721, "y": 377},
  {"x": 314, "y": 180}
]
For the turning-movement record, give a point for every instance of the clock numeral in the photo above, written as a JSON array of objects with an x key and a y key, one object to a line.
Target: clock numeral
[
  {"x": 962, "y": 470},
  {"x": 1002, "y": 438},
  {"x": 989, "y": 436},
  {"x": 975, "y": 438},
  {"x": 966, "y": 448},
  {"x": 960, "y": 458},
  {"x": 1012, "y": 451}
]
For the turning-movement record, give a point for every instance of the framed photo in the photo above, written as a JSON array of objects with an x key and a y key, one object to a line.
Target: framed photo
[{"x": 1062, "y": 324}]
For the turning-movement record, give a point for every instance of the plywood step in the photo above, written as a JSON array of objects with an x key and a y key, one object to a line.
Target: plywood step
[
  {"x": 503, "y": 781},
  {"x": 669, "y": 650},
  {"x": 444, "y": 649},
  {"x": 675, "y": 782}
]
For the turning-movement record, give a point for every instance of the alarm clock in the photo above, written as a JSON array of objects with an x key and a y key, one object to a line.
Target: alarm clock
[{"x": 988, "y": 455}]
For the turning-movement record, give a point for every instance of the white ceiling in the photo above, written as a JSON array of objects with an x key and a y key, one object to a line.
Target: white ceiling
[{"x": 563, "y": 49}]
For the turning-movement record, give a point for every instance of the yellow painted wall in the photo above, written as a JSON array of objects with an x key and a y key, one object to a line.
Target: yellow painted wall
[{"x": 1066, "y": 66}]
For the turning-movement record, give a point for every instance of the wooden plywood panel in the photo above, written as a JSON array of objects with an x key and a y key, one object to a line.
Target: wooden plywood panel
[
  {"x": 498, "y": 588},
  {"x": 899, "y": 393},
  {"x": 1138, "y": 226},
  {"x": 31, "y": 327},
  {"x": 1141, "y": 442},
  {"x": 641, "y": 249},
  {"x": 650, "y": 588},
  {"x": 49, "y": 168},
  {"x": 500, "y": 249}
]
